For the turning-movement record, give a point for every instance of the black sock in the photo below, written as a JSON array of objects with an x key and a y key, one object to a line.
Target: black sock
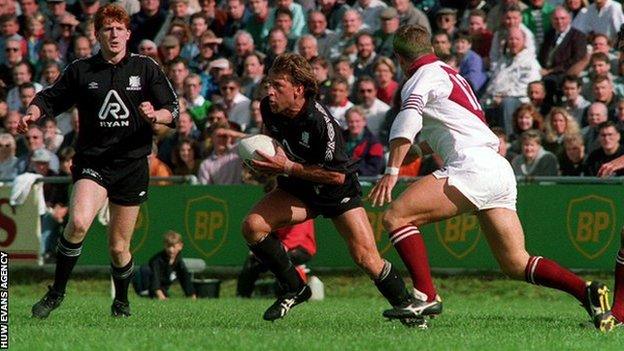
[
  {"x": 271, "y": 252},
  {"x": 66, "y": 257},
  {"x": 392, "y": 286},
  {"x": 121, "y": 278}
]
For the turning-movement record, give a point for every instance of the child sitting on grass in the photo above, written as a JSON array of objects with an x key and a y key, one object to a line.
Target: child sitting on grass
[{"x": 155, "y": 278}]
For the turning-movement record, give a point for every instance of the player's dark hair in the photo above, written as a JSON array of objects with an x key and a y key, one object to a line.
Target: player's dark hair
[
  {"x": 411, "y": 41},
  {"x": 110, "y": 13},
  {"x": 298, "y": 70}
]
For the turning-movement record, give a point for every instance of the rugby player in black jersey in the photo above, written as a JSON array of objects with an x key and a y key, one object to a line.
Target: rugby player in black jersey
[
  {"x": 119, "y": 97},
  {"x": 316, "y": 177}
]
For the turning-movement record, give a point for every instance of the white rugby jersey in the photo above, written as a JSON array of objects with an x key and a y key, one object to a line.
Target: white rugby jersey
[{"x": 440, "y": 104}]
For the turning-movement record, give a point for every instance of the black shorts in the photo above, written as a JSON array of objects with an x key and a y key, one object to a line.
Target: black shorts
[
  {"x": 125, "y": 180},
  {"x": 327, "y": 200}
]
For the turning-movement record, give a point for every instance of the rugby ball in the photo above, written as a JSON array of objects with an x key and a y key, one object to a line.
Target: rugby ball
[{"x": 248, "y": 146}]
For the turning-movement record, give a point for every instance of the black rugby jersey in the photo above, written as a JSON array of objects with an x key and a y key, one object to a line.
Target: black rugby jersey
[
  {"x": 312, "y": 138},
  {"x": 108, "y": 97}
]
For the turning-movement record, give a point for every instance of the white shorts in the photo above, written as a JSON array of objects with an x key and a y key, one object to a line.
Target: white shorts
[{"x": 483, "y": 176}]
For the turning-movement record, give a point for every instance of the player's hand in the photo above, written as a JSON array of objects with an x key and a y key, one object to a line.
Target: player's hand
[
  {"x": 382, "y": 191},
  {"x": 146, "y": 110},
  {"x": 271, "y": 164},
  {"x": 24, "y": 122},
  {"x": 609, "y": 168},
  {"x": 160, "y": 295}
]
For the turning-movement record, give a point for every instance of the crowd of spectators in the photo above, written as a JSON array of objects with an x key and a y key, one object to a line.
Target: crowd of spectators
[{"x": 545, "y": 71}]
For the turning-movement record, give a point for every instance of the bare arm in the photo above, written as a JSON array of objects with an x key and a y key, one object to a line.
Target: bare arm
[
  {"x": 280, "y": 164},
  {"x": 162, "y": 116},
  {"x": 609, "y": 168},
  {"x": 382, "y": 191},
  {"x": 579, "y": 67},
  {"x": 317, "y": 174},
  {"x": 33, "y": 113}
]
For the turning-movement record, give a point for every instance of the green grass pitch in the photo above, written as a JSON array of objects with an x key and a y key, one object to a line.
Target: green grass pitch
[{"x": 479, "y": 314}]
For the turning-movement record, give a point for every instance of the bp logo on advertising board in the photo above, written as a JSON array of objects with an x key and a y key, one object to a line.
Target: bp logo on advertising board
[
  {"x": 141, "y": 228},
  {"x": 591, "y": 224},
  {"x": 459, "y": 235},
  {"x": 206, "y": 223}
]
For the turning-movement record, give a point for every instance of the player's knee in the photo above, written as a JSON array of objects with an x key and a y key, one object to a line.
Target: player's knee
[
  {"x": 254, "y": 227},
  {"x": 118, "y": 249},
  {"x": 391, "y": 220},
  {"x": 514, "y": 267},
  {"x": 77, "y": 229}
]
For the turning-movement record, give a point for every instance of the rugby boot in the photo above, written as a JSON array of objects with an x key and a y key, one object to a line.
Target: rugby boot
[
  {"x": 415, "y": 308},
  {"x": 120, "y": 309},
  {"x": 597, "y": 300},
  {"x": 285, "y": 302},
  {"x": 606, "y": 322},
  {"x": 49, "y": 302}
]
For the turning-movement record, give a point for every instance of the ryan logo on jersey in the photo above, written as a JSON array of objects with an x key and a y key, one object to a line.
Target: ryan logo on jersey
[{"x": 113, "y": 112}]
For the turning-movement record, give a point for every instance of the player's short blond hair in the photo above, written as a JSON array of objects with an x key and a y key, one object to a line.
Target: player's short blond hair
[
  {"x": 298, "y": 70},
  {"x": 171, "y": 238},
  {"x": 411, "y": 41}
]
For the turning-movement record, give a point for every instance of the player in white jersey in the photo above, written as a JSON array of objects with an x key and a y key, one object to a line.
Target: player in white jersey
[{"x": 440, "y": 105}]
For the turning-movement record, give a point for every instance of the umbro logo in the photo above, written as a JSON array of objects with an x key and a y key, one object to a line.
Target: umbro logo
[
  {"x": 142, "y": 193},
  {"x": 93, "y": 85},
  {"x": 345, "y": 200}
]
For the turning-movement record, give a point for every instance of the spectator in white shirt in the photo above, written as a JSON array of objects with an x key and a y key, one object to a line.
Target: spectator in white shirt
[
  {"x": 511, "y": 19},
  {"x": 237, "y": 104},
  {"x": 374, "y": 108},
  {"x": 510, "y": 79}
]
